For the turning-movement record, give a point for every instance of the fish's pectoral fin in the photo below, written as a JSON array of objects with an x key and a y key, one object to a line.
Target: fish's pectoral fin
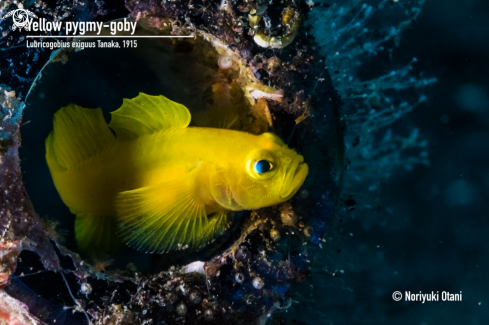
[
  {"x": 218, "y": 223},
  {"x": 78, "y": 133},
  {"x": 164, "y": 216},
  {"x": 96, "y": 234},
  {"x": 147, "y": 114}
]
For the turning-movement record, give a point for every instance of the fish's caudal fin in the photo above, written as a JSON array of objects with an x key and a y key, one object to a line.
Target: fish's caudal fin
[
  {"x": 96, "y": 234},
  {"x": 78, "y": 133},
  {"x": 165, "y": 216}
]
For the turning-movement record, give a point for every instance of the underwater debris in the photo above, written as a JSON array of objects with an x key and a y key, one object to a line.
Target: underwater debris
[
  {"x": 101, "y": 263},
  {"x": 239, "y": 277},
  {"x": 290, "y": 23},
  {"x": 181, "y": 309},
  {"x": 194, "y": 297},
  {"x": 86, "y": 288},
  {"x": 287, "y": 215},
  {"x": 20, "y": 227},
  {"x": 258, "y": 283},
  {"x": 224, "y": 62},
  {"x": 14, "y": 312},
  {"x": 54, "y": 231},
  {"x": 275, "y": 234},
  {"x": 197, "y": 267}
]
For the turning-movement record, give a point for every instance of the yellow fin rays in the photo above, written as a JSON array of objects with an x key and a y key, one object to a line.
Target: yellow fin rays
[
  {"x": 162, "y": 217},
  {"x": 78, "y": 134},
  {"x": 146, "y": 114}
]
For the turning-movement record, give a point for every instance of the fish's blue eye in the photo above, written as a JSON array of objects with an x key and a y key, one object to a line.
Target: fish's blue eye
[{"x": 262, "y": 166}]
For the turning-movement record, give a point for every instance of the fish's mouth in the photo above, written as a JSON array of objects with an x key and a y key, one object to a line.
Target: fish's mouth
[{"x": 296, "y": 174}]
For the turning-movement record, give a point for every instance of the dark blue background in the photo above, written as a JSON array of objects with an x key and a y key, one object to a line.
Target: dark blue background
[{"x": 431, "y": 232}]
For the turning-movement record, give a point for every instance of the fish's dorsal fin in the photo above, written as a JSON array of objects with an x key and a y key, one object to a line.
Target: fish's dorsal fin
[
  {"x": 147, "y": 114},
  {"x": 165, "y": 216},
  {"x": 78, "y": 133}
]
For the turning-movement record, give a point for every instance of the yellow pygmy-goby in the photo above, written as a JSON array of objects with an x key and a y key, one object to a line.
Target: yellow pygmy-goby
[{"x": 157, "y": 182}]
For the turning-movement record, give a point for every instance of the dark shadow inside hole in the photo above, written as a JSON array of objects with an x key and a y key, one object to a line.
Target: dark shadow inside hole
[
  {"x": 44, "y": 292},
  {"x": 65, "y": 261}
]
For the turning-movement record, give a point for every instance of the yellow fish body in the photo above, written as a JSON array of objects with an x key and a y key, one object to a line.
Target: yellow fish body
[{"x": 168, "y": 185}]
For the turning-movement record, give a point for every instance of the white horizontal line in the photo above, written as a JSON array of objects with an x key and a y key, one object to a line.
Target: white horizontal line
[{"x": 115, "y": 36}]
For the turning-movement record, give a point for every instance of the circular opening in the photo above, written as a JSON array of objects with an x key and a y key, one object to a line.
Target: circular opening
[{"x": 186, "y": 71}]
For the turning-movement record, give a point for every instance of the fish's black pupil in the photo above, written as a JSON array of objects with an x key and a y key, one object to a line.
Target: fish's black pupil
[{"x": 262, "y": 166}]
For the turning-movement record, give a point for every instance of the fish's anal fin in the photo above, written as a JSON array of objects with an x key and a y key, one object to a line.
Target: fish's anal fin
[
  {"x": 165, "y": 216},
  {"x": 96, "y": 235},
  {"x": 147, "y": 114},
  {"x": 78, "y": 134}
]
